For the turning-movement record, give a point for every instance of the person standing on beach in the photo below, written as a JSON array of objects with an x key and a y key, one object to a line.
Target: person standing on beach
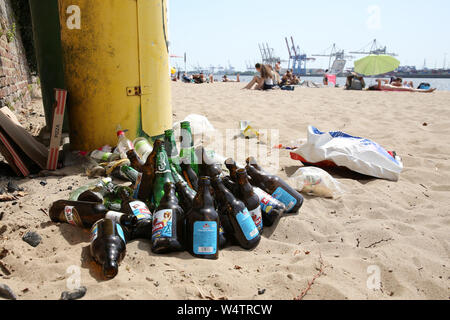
[{"x": 325, "y": 78}]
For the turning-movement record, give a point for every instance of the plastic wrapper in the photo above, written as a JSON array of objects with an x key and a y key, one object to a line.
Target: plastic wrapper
[{"x": 316, "y": 182}]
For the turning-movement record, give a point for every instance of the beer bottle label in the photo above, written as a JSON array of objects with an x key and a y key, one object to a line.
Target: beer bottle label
[
  {"x": 284, "y": 197},
  {"x": 72, "y": 216},
  {"x": 205, "y": 237},
  {"x": 137, "y": 186},
  {"x": 120, "y": 232},
  {"x": 94, "y": 231},
  {"x": 162, "y": 164},
  {"x": 129, "y": 173},
  {"x": 162, "y": 224},
  {"x": 140, "y": 210},
  {"x": 257, "y": 218},
  {"x": 247, "y": 225},
  {"x": 267, "y": 202},
  {"x": 115, "y": 216}
]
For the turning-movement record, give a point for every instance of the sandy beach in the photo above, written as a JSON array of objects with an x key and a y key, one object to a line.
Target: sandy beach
[{"x": 402, "y": 228}]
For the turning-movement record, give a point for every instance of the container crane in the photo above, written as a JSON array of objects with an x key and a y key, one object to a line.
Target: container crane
[
  {"x": 268, "y": 55},
  {"x": 374, "y": 49},
  {"x": 297, "y": 60},
  {"x": 338, "y": 54}
]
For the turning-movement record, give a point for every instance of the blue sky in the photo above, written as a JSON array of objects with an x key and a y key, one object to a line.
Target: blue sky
[{"x": 213, "y": 32}]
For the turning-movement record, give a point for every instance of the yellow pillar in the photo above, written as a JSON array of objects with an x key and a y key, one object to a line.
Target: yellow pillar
[{"x": 116, "y": 66}]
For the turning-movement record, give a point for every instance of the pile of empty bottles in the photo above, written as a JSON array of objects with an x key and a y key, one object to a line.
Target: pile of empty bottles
[{"x": 177, "y": 200}]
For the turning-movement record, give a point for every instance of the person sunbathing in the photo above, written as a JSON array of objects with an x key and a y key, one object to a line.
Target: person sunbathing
[
  {"x": 265, "y": 81},
  {"x": 396, "y": 82},
  {"x": 386, "y": 85},
  {"x": 294, "y": 80},
  {"x": 285, "y": 79},
  {"x": 226, "y": 79},
  {"x": 289, "y": 79},
  {"x": 408, "y": 84},
  {"x": 186, "y": 79},
  {"x": 199, "y": 78},
  {"x": 355, "y": 82}
]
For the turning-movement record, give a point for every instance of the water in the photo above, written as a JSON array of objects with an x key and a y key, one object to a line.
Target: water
[{"x": 440, "y": 84}]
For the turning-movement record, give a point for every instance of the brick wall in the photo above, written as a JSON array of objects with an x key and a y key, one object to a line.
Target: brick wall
[{"x": 15, "y": 77}]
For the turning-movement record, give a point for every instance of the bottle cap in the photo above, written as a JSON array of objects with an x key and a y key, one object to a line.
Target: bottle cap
[{"x": 120, "y": 133}]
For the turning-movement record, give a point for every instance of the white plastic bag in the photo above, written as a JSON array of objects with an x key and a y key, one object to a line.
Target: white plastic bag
[
  {"x": 357, "y": 154},
  {"x": 202, "y": 129},
  {"x": 316, "y": 182}
]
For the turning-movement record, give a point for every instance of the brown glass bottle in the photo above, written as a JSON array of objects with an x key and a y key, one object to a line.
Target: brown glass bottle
[
  {"x": 143, "y": 226},
  {"x": 231, "y": 185},
  {"x": 250, "y": 199},
  {"x": 233, "y": 168},
  {"x": 145, "y": 187},
  {"x": 85, "y": 214},
  {"x": 277, "y": 188},
  {"x": 185, "y": 195},
  {"x": 168, "y": 223},
  {"x": 136, "y": 162},
  {"x": 98, "y": 194},
  {"x": 271, "y": 208},
  {"x": 189, "y": 175},
  {"x": 203, "y": 224},
  {"x": 242, "y": 226},
  {"x": 252, "y": 162},
  {"x": 223, "y": 238},
  {"x": 207, "y": 166},
  {"x": 108, "y": 246}
]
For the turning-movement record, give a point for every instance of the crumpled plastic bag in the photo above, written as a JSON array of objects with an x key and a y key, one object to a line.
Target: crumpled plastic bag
[
  {"x": 202, "y": 129},
  {"x": 315, "y": 182},
  {"x": 357, "y": 154}
]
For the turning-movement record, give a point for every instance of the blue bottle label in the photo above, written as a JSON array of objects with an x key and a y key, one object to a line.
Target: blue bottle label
[
  {"x": 247, "y": 224},
  {"x": 120, "y": 232},
  {"x": 94, "y": 231},
  {"x": 283, "y": 196},
  {"x": 162, "y": 224},
  {"x": 205, "y": 237}
]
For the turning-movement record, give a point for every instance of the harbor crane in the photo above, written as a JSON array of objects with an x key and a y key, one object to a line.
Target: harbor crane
[
  {"x": 268, "y": 55},
  {"x": 250, "y": 66},
  {"x": 297, "y": 60},
  {"x": 374, "y": 49},
  {"x": 338, "y": 54}
]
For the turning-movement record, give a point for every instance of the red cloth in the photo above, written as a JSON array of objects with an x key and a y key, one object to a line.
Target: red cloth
[{"x": 331, "y": 78}]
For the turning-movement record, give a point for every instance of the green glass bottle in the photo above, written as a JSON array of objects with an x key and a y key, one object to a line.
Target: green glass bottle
[
  {"x": 187, "y": 151},
  {"x": 171, "y": 149},
  {"x": 163, "y": 174}
]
